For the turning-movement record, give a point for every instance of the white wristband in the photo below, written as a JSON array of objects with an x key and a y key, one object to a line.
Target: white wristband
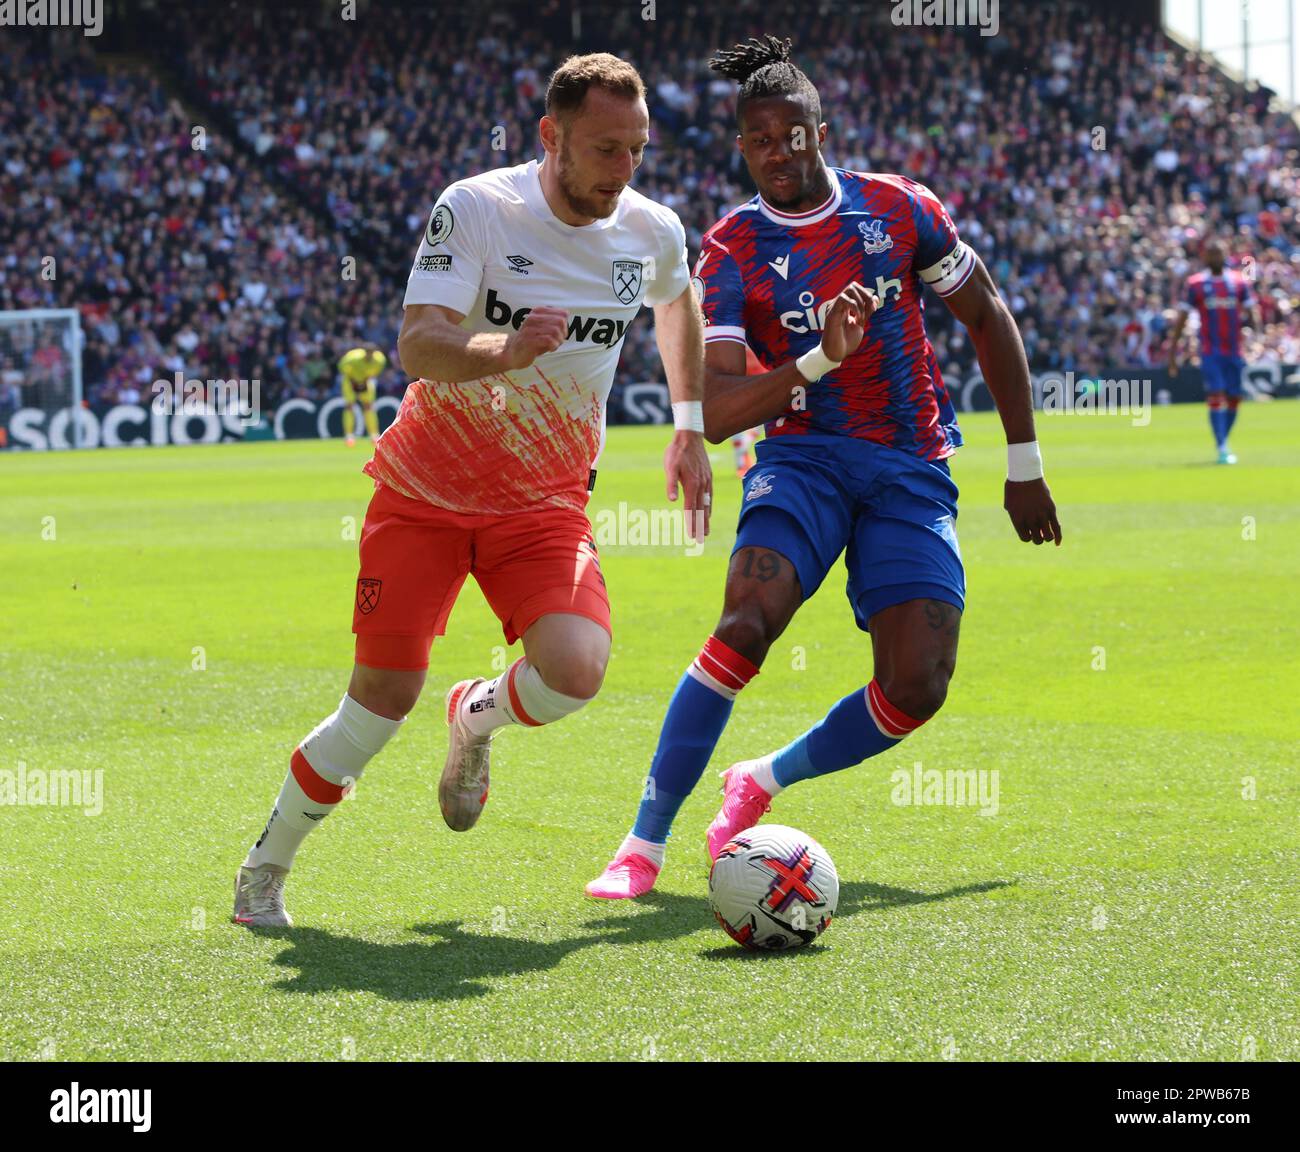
[
  {"x": 1024, "y": 461},
  {"x": 688, "y": 415},
  {"x": 815, "y": 364}
]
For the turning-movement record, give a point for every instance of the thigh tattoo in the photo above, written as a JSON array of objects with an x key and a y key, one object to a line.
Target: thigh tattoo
[
  {"x": 942, "y": 617},
  {"x": 760, "y": 564}
]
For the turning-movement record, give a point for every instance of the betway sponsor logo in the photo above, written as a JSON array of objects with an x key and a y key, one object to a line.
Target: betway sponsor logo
[
  {"x": 812, "y": 319},
  {"x": 585, "y": 329}
]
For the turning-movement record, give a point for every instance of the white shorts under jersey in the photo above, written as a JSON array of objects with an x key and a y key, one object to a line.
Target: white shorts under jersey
[{"x": 493, "y": 250}]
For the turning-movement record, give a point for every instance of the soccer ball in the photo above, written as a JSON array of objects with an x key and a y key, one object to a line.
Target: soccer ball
[{"x": 773, "y": 887}]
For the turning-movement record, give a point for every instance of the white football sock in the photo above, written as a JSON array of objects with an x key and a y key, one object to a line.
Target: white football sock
[
  {"x": 647, "y": 848},
  {"x": 518, "y": 696},
  {"x": 325, "y": 765},
  {"x": 761, "y": 772}
]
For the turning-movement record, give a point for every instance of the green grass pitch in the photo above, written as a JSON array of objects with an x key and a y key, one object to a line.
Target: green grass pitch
[{"x": 179, "y": 618}]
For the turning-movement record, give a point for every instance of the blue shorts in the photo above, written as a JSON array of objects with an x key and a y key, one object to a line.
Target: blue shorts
[
  {"x": 1222, "y": 373},
  {"x": 892, "y": 514}
]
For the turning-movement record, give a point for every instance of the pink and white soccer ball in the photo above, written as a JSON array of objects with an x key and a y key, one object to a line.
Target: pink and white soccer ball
[{"x": 773, "y": 887}]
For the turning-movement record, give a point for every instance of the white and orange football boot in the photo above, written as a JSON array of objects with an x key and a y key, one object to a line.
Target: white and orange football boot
[
  {"x": 463, "y": 789},
  {"x": 743, "y": 804},
  {"x": 259, "y": 897}
]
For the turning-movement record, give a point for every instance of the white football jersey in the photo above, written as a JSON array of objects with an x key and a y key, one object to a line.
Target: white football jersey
[{"x": 493, "y": 250}]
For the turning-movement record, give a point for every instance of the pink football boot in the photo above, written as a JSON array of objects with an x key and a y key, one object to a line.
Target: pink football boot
[
  {"x": 743, "y": 805},
  {"x": 625, "y": 878}
]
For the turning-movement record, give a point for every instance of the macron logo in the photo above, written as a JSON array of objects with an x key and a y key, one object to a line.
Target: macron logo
[
  {"x": 781, "y": 267},
  {"x": 102, "y": 1106}
]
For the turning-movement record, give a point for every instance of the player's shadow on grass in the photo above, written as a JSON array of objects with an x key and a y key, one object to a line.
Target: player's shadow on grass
[
  {"x": 859, "y": 896},
  {"x": 455, "y": 968},
  {"x": 459, "y": 965}
]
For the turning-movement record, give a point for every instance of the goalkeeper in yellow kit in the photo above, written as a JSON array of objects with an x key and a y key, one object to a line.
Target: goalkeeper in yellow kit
[{"x": 359, "y": 368}]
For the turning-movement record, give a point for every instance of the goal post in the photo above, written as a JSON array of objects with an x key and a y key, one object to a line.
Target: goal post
[{"x": 40, "y": 373}]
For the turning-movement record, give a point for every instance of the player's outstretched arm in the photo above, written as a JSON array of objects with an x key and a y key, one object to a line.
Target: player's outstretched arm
[
  {"x": 679, "y": 332},
  {"x": 433, "y": 346},
  {"x": 1005, "y": 369}
]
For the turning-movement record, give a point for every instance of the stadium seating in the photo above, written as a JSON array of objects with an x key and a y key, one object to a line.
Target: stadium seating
[{"x": 322, "y": 144}]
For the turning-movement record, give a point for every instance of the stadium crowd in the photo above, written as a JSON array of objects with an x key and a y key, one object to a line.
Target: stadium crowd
[
  {"x": 182, "y": 258},
  {"x": 1083, "y": 161}
]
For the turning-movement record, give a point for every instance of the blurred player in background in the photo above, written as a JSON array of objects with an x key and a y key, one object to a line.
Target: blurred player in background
[
  {"x": 359, "y": 369},
  {"x": 1223, "y": 302},
  {"x": 742, "y": 443},
  {"x": 742, "y": 449},
  {"x": 522, "y": 290},
  {"x": 859, "y": 429}
]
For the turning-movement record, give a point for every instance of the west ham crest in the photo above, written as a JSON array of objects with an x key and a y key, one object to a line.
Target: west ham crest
[
  {"x": 626, "y": 278},
  {"x": 368, "y": 595}
]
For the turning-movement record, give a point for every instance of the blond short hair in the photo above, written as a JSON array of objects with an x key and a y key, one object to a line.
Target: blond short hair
[{"x": 571, "y": 80}]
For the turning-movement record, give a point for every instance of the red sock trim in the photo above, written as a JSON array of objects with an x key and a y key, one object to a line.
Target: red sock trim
[
  {"x": 314, "y": 785},
  {"x": 1233, "y": 401},
  {"x": 515, "y": 705},
  {"x": 889, "y": 719},
  {"x": 727, "y": 666}
]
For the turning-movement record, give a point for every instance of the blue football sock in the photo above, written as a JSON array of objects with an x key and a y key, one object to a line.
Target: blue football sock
[
  {"x": 1217, "y": 425},
  {"x": 692, "y": 726},
  {"x": 846, "y": 736},
  {"x": 1229, "y": 419}
]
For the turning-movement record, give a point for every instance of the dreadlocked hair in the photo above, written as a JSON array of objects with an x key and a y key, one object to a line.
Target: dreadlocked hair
[{"x": 763, "y": 68}]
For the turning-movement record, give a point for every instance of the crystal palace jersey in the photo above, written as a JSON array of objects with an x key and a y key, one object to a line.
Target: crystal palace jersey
[
  {"x": 1220, "y": 302},
  {"x": 767, "y": 279},
  {"x": 492, "y": 251}
]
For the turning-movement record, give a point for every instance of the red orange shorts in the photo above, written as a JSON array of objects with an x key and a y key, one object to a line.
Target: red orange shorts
[{"x": 415, "y": 557}]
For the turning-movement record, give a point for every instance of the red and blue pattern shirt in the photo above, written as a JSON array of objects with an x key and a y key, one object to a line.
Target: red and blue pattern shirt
[
  {"x": 1221, "y": 303},
  {"x": 767, "y": 279}
]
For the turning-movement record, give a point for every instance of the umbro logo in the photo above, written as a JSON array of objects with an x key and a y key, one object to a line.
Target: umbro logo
[
  {"x": 781, "y": 266},
  {"x": 519, "y": 264},
  {"x": 316, "y": 816}
]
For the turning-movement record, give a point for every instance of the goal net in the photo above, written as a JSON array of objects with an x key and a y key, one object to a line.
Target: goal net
[{"x": 40, "y": 379}]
